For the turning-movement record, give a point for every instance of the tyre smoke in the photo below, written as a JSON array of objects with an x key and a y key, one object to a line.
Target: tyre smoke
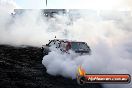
[
  {"x": 109, "y": 36},
  {"x": 108, "y": 33}
]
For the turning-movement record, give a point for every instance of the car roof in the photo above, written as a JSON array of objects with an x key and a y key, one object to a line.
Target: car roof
[{"x": 65, "y": 40}]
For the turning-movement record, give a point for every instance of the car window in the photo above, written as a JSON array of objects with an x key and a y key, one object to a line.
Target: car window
[
  {"x": 83, "y": 46},
  {"x": 57, "y": 43},
  {"x": 74, "y": 46},
  {"x": 79, "y": 46},
  {"x": 63, "y": 45}
]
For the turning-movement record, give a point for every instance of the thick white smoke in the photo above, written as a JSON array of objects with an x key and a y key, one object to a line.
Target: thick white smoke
[
  {"x": 29, "y": 28},
  {"x": 107, "y": 33},
  {"x": 109, "y": 37},
  {"x": 8, "y": 5}
]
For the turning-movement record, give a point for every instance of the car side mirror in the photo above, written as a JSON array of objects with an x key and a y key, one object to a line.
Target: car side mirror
[{"x": 46, "y": 44}]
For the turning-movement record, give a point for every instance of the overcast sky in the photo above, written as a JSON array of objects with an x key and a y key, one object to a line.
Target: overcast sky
[{"x": 75, "y": 4}]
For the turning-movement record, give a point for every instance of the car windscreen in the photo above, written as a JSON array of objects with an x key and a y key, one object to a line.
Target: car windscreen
[{"x": 79, "y": 46}]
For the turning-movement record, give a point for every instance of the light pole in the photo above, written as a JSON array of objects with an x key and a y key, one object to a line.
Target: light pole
[{"x": 46, "y": 2}]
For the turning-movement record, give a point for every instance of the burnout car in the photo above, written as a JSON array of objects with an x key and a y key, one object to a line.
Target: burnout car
[{"x": 66, "y": 45}]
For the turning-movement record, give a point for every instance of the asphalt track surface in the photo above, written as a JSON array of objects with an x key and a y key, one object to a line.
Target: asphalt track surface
[{"x": 21, "y": 67}]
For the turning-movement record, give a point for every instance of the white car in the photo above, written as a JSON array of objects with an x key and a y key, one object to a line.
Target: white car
[{"x": 66, "y": 45}]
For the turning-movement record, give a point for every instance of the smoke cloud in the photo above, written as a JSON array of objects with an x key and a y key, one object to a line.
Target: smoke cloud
[
  {"x": 109, "y": 36},
  {"x": 108, "y": 33},
  {"x": 29, "y": 28},
  {"x": 8, "y": 5}
]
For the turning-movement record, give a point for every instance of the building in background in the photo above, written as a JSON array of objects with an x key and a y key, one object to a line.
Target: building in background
[{"x": 45, "y": 12}]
